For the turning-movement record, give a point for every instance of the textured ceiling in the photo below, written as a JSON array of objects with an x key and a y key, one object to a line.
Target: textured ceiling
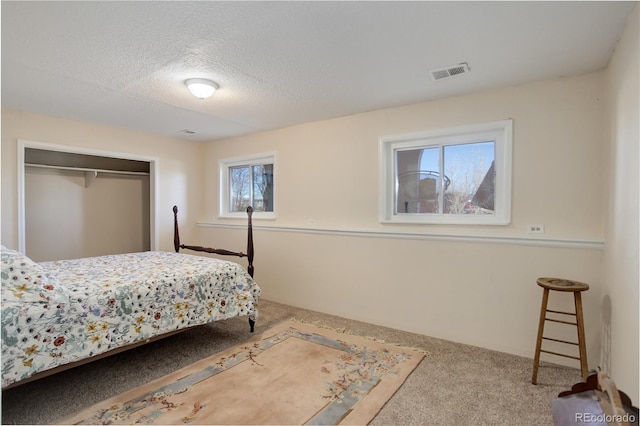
[{"x": 123, "y": 64}]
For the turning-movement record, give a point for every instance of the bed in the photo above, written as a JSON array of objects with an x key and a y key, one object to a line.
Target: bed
[{"x": 56, "y": 315}]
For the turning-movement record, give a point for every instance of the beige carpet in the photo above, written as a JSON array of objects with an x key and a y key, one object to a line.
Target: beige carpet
[
  {"x": 455, "y": 384},
  {"x": 294, "y": 373}
]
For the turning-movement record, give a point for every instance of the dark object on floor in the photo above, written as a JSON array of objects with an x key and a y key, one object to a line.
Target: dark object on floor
[{"x": 596, "y": 401}]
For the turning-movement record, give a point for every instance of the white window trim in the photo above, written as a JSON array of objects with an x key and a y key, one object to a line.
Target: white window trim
[
  {"x": 225, "y": 164},
  {"x": 499, "y": 131}
]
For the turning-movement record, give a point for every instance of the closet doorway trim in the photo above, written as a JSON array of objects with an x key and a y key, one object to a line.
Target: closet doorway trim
[{"x": 153, "y": 183}]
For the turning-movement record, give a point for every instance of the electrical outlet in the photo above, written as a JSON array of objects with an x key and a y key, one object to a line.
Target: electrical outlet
[
  {"x": 312, "y": 221},
  {"x": 535, "y": 229}
]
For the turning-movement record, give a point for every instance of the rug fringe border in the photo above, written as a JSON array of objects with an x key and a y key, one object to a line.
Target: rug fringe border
[{"x": 343, "y": 330}]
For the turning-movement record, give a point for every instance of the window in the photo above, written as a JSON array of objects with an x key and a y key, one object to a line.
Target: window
[
  {"x": 459, "y": 175},
  {"x": 247, "y": 181}
]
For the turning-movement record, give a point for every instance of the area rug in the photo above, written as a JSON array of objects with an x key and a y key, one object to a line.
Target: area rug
[{"x": 293, "y": 374}]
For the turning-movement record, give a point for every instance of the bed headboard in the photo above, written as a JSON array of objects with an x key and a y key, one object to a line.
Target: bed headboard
[{"x": 249, "y": 254}]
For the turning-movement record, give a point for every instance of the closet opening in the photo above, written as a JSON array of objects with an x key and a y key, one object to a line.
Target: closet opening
[{"x": 76, "y": 202}]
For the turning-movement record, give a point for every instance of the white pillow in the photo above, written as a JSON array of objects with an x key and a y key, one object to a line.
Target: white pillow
[{"x": 23, "y": 280}]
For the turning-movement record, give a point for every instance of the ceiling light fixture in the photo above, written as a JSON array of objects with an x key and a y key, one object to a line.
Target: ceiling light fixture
[{"x": 201, "y": 88}]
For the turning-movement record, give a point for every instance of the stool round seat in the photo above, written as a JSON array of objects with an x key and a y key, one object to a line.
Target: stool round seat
[{"x": 559, "y": 284}]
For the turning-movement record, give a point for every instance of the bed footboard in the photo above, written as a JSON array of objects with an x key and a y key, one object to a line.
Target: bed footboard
[
  {"x": 250, "y": 251},
  {"x": 249, "y": 254}
]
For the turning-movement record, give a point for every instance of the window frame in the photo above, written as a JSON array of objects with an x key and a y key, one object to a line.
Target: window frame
[
  {"x": 501, "y": 132},
  {"x": 245, "y": 161}
]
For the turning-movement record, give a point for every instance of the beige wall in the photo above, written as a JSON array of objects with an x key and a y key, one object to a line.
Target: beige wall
[
  {"x": 472, "y": 284},
  {"x": 179, "y": 166},
  {"x": 328, "y": 170},
  {"x": 620, "y": 292}
]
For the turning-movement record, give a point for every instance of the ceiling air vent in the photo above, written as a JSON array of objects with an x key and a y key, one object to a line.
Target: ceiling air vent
[{"x": 450, "y": 71}]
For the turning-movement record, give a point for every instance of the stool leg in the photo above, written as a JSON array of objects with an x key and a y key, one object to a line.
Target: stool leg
[
  {"x": 581, "y": 338},
  {"x": 543, "y": 315}
]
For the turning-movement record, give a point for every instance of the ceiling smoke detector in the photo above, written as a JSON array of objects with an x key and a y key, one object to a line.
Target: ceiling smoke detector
[{"x": 449, "y": 71}]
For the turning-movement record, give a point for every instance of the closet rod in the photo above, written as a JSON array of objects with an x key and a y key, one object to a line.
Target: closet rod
[{"x": 84, "y": 169}]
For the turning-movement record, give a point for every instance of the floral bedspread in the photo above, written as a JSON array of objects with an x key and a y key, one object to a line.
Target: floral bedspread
[{"x": 54, "y": 313}]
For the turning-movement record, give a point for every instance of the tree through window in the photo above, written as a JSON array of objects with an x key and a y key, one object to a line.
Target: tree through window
[
  {"x": 247, "y": 182},
  {"x": 251, "y": 186}
]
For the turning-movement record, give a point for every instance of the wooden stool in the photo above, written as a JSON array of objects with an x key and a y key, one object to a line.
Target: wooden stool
[{"x": 559, "y": 284}]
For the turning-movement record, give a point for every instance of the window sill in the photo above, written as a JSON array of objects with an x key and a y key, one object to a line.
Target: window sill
[
  {"x": 421, "y": 219},
  {"x": 254, "y": 216}
]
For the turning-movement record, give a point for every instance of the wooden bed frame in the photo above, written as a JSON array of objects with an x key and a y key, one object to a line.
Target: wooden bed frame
[
  {"x": 249, "y": 254},
  {"x": 177, "y": 246}
]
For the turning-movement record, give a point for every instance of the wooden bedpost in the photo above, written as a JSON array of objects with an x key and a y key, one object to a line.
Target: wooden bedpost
[
  {"x": 249, "y": 254},
  {"x": 176, "y": 234},
  {"x": 252, "y": 322},
  {"x": 250, "y": 242}
]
